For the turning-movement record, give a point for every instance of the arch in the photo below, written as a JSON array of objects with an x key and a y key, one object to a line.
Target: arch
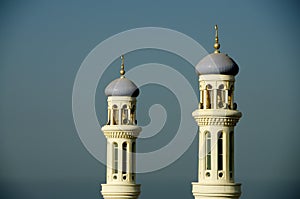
[
  {"x": 208, "y": 87},
  {"x": 221, "y": 86}
]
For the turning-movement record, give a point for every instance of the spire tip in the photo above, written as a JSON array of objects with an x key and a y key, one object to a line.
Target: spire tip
[
  {"x": 217, "y": 45},
  {"x": 122, "y": 71}
]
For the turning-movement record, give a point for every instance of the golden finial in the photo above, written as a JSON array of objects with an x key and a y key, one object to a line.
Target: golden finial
[
  {"x": 122, "y": 71},
  {"x": 217, "y": 45}
]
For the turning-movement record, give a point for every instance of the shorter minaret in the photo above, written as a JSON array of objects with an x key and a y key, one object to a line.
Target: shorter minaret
[
  {"x": 216, "y": 117},
  {"x": 121, "y": 132}
]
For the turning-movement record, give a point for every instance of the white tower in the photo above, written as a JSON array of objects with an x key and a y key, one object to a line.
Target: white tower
[
  {"x": 216, "y": 117},
  {"x": 121, "y": 132}
]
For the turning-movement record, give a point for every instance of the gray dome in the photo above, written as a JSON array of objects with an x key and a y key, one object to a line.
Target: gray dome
[
  {"x": 217, "y": 63},
  {"x": 122, "y": 87}
]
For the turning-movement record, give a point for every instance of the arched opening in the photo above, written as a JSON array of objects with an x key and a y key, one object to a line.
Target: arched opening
[
  {"x": 115, "y": 158},
  {"x": 221, "y": 97},
  {"x": 208, "y": 150},
  {"x": 220, "y": 150},
  {"x": 108, "y": 117},
  {"x": 132, "y": 115},
  {"x": 201, "y": 99},
  {"x": 133, "y": 160},
  {"x": 231, "y": 153},
  {"x": 125, "y": 114},
  {"x": 230, "y": 97},
  {"x": 133, "y": 147},
  {"x": 115, "y": 118},
  {"x": 124, "y": 157},
  {"x": 209, "y": 97}
]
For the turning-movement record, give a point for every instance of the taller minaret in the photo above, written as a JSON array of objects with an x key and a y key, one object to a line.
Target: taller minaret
[
  {"x": 121, "y": 132},
  {"x": 216, "y": 117}
]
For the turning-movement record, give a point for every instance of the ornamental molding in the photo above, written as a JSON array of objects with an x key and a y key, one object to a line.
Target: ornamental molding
[
  {"x": 216, "y": 121},
  {"x": 121, "y": 134}
]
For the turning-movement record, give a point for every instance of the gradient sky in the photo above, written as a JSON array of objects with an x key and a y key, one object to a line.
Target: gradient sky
[{"x": 43, "y": 43}]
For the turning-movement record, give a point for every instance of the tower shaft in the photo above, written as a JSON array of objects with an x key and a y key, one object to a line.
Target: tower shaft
[
  {"x": 216, "y": 118},
  {"x": 121, "y": 133}
]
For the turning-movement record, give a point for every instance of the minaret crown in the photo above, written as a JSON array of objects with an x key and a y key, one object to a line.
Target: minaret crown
[
  {"x": 217, "y": 63},
  {"x": 122, "y": 86}
]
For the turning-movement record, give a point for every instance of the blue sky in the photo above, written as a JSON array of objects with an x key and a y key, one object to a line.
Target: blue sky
[{"x": 43, "y": 44}]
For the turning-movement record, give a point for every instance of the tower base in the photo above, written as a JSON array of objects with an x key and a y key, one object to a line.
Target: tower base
[
  {"x": 120, "y": 191},
  {"x": 214, "y": 190}
]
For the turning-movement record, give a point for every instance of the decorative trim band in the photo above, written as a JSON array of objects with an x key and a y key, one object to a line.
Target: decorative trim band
[
  {"x": 219, "y": 121},
  {"x": 121, "y": 134}
]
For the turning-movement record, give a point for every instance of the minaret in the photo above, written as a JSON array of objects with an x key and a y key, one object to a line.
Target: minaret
[
  {"x": 121, "y": 132},
  {"x": 216, "y": 117}
]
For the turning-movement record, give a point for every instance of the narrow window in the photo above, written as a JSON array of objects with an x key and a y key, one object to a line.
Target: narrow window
[
  {"x": 220, "y": 151},
  {"x": 208, "y": 150},
  {"x": 108, "y": 117},
  {"x": 133, "y": 147},
  {"x": 133, "y": 159},
  {"x": 201, "y": 99},
  {"x": 115, "y": 115},
  {"x": 231, "y": 153},
  {"x": 210, "y": 97},
  {"x": 221, "y": 96},
  {"x": 124, "y": 154},
  {"x": 230, "y": 97},
  {"x": 132, "y": 115},
  {"x": 115, "y": 157},
  {"x": 124, "y": 114}
]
